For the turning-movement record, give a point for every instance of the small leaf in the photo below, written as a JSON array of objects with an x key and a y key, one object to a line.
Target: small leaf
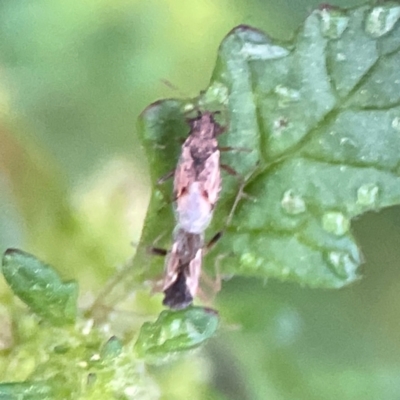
[
  {"x": 322, "y": 118},
  {"x": 176, "y": 331},
  {"x": 25, "y": 391},
  {"x": 111, "y": 349},
  {"x": 40, "y": 287}
]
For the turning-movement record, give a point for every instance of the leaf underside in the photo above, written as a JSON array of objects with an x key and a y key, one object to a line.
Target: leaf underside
[{"x": 321, "y": 116}]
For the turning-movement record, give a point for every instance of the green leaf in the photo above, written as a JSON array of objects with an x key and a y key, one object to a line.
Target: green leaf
[
  {"x": 322, "y": 118},
  {"x": 25, "y": 391},
  {"x": 176, "y": 331},
  {"x": 111, "y": 349},
  {"x": 40, "y": 287}
]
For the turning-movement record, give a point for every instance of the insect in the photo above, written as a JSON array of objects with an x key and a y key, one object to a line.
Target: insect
[
  {"x": 197, "y": 185},
  {"x": 197, "y": 177},
  {"x": 183, "y": 269}
]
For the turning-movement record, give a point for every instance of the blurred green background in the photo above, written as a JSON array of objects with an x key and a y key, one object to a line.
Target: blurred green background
[{"x": 74, "y": 77}]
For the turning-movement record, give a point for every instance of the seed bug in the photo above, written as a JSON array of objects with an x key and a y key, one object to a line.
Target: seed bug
[
  {"x": 197, "y": 177},
  {"x": 197, "y": 185},
  {"x": 183, "y": 269}
]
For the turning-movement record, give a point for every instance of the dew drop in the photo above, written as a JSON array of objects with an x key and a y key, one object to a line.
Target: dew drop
[
  {"x": 217, "y": 92},
  {"x": 382, "y": 19},
  {"x": 37, "y": 287},
  {"x": 396, "y": 123},
  {"x": 340, "y": 57},
  {"x": 293, "y": 203},
  {"x": 344, "y": 140},
  {"x": 158, "y": 194},
  {"x": 333, "y": 22},
  {"x": 250, "y": 261},
  {"x": 336, "y": 223},
  {"x": 343, "y": 264},
  {"x": 287, "y": 95},
  {"x": 348, "y": 144},
  {"x": 280, "y": 124},
  {"x": 367, "y": 194}
]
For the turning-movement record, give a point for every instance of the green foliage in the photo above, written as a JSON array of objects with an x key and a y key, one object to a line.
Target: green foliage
[
  {"x": 176, "y": 331},
  {"x": 69, "y": 362},
  {"x": 25, "y": 391},
  {"x": 40, "y": 287},
  {"x": 321, "y": 117}
]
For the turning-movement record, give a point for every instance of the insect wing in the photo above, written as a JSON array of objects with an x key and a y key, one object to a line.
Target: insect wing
[
  {"x": 194, "y": 272},
  {"x": 184, "y": 173},
  {"x": 172, "y": 265},
  {"x": 196, "y": 196},
  {"x": 211, "y": 178}
]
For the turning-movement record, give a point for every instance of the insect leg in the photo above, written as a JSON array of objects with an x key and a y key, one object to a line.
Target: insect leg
[
  {"x": 157, "y": 251},
  {"x": 213, "y": 241},
  {"x": 229, "y": 170},
  {"x": 240, "y": 195},
  {"x": 230, "y": 148},
  {"x": 165, "y": 177}
]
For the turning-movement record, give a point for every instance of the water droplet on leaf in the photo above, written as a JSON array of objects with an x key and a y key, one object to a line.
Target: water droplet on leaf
[
  {"x": 367, "y": 194},
  {"x": 345, "y": 140},
  {"x": 251, "y": 262},
  {"x": 158, "y": 194},
  {"x": 396, "y": 123},
  {"x": 216, "y": 93},
  {"x": 333, "y": 22},
  {"x": 286, "y": 95},
  {"x": 292, "y": 203},
  {"x": 343, "y": 264},
  {"x": 382, "y": 19},
  {"x": 340, "y": 57},
  {"x": 279, "y": 124},
  {"x": 336, "y": 223},
  {"x": 348, "y": 144}
]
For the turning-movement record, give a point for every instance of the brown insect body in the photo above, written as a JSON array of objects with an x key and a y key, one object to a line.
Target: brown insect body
[
  {"x": 197, "y": 178},
  {"x": 183, "y": 269},
  {"x": 197, "y": 185}
]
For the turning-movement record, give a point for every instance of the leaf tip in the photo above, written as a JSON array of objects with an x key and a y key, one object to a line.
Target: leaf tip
[
  {"x": 328, "y": 7},
  {"x": 151, "y": 107},
  {"x": 247, "y": 33},
  {"x": 10, "y": 253},
  {"x": 244, "y": 28}
]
